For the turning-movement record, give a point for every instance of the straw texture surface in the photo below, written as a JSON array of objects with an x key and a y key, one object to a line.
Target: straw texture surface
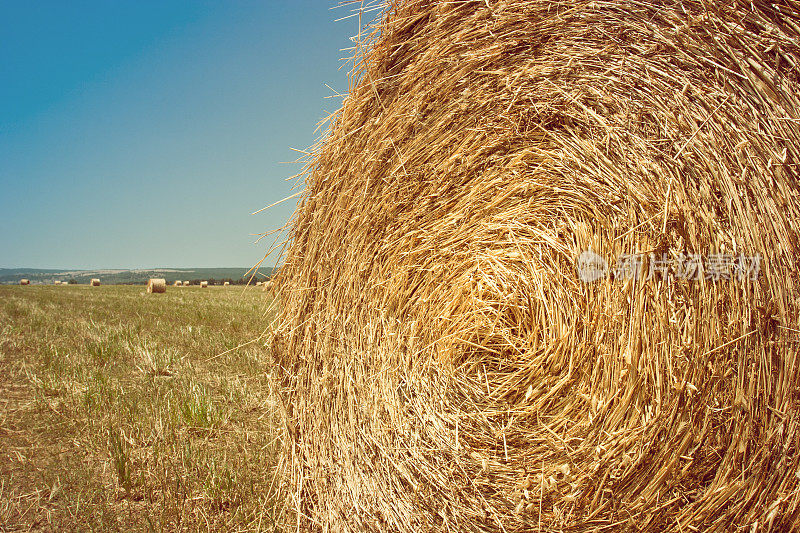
[
  {"x": 156, "y": 285},
  {"x": 445, "y": 366}
]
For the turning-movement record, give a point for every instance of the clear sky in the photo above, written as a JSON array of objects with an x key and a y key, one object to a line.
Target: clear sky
[{"x": 141, "y": 134}]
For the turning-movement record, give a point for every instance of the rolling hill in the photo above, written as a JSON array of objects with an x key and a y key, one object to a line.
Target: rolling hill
[{"x": 126, "y": 276}]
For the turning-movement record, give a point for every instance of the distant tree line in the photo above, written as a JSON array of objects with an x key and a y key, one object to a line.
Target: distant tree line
[
  {"x": 211, "y": 281},
  {"x": 214, "y": 281}
]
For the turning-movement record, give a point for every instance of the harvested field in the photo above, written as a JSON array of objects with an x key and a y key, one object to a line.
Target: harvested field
[{"x": 124, "y": 413}]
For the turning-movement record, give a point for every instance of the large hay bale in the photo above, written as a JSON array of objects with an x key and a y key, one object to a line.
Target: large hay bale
[
  {"x": 177, "y": 283},
  {"x": 225, "y": 284},
  {"x": 94, "y": 282},
  {"x": 446, "y": 367},
  {"x": 57, "y": 282},
  {"x": 156, "y": 285},
  {"x": 185, "y": 283},
  {"x": 203, "y": 284},
  {"x": 24, "y": 281}
]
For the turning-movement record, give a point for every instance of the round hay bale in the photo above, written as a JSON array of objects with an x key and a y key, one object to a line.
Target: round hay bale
[
  {"x": 258, "y": 283},
  {"x": 94, "y": 282},
  {"x": 156, "y": 285},
  {"x": 203, "y": 284},
  {"x": 451, "y": 366},
  {"x": 24, "y": 281},
  {"x": 177, "y": 283},
  {"x": 226, "y": 283},
  {"x": 57, "y": 282},
  {"x": 185, "y": 283},
  {"x": 268, "y": 285}
]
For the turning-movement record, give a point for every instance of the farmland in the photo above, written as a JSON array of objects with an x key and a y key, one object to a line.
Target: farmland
[
  {"x": 121, "y": 410},
  {"x": 11, "y": 276}
]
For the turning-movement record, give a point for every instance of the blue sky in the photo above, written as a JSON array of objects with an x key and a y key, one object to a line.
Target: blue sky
[{"x": 142, "y": 134}]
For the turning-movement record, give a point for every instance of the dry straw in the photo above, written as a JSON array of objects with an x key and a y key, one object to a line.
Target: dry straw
[
  {"x": 203, "y": 284},
  {"x": 445, "y": 367},
  {"x": 94, "y": 282},
  {"x": 156, "y": 285},
  {"x": 24, "y": 281}
]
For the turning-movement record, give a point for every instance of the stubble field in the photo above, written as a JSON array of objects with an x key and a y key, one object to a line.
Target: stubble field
[{"x": 121, "y": 410}]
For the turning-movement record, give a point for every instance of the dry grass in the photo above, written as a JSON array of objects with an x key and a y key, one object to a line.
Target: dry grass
[
  {"x": 444, "y": 367},
  {"x": 125, "y": 413}
]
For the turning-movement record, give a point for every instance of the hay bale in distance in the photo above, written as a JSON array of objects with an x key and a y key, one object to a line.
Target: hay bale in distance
[
  {"x": 156, "y": 285},
  {"x": 203, "y": 284},
  {"x": 226, "y": 283},
  {"x": 94, "y": 282},
  {"x": 177, "y": 283},
  {"x": 185, "y": 283},
  {"x": 57, "y": 282},
  {"x": 24, "y": 281},
  {"x": 258, "y": 283},
  {"x": 446, "y": 368},
  {"x": 268, "y": 285}
]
